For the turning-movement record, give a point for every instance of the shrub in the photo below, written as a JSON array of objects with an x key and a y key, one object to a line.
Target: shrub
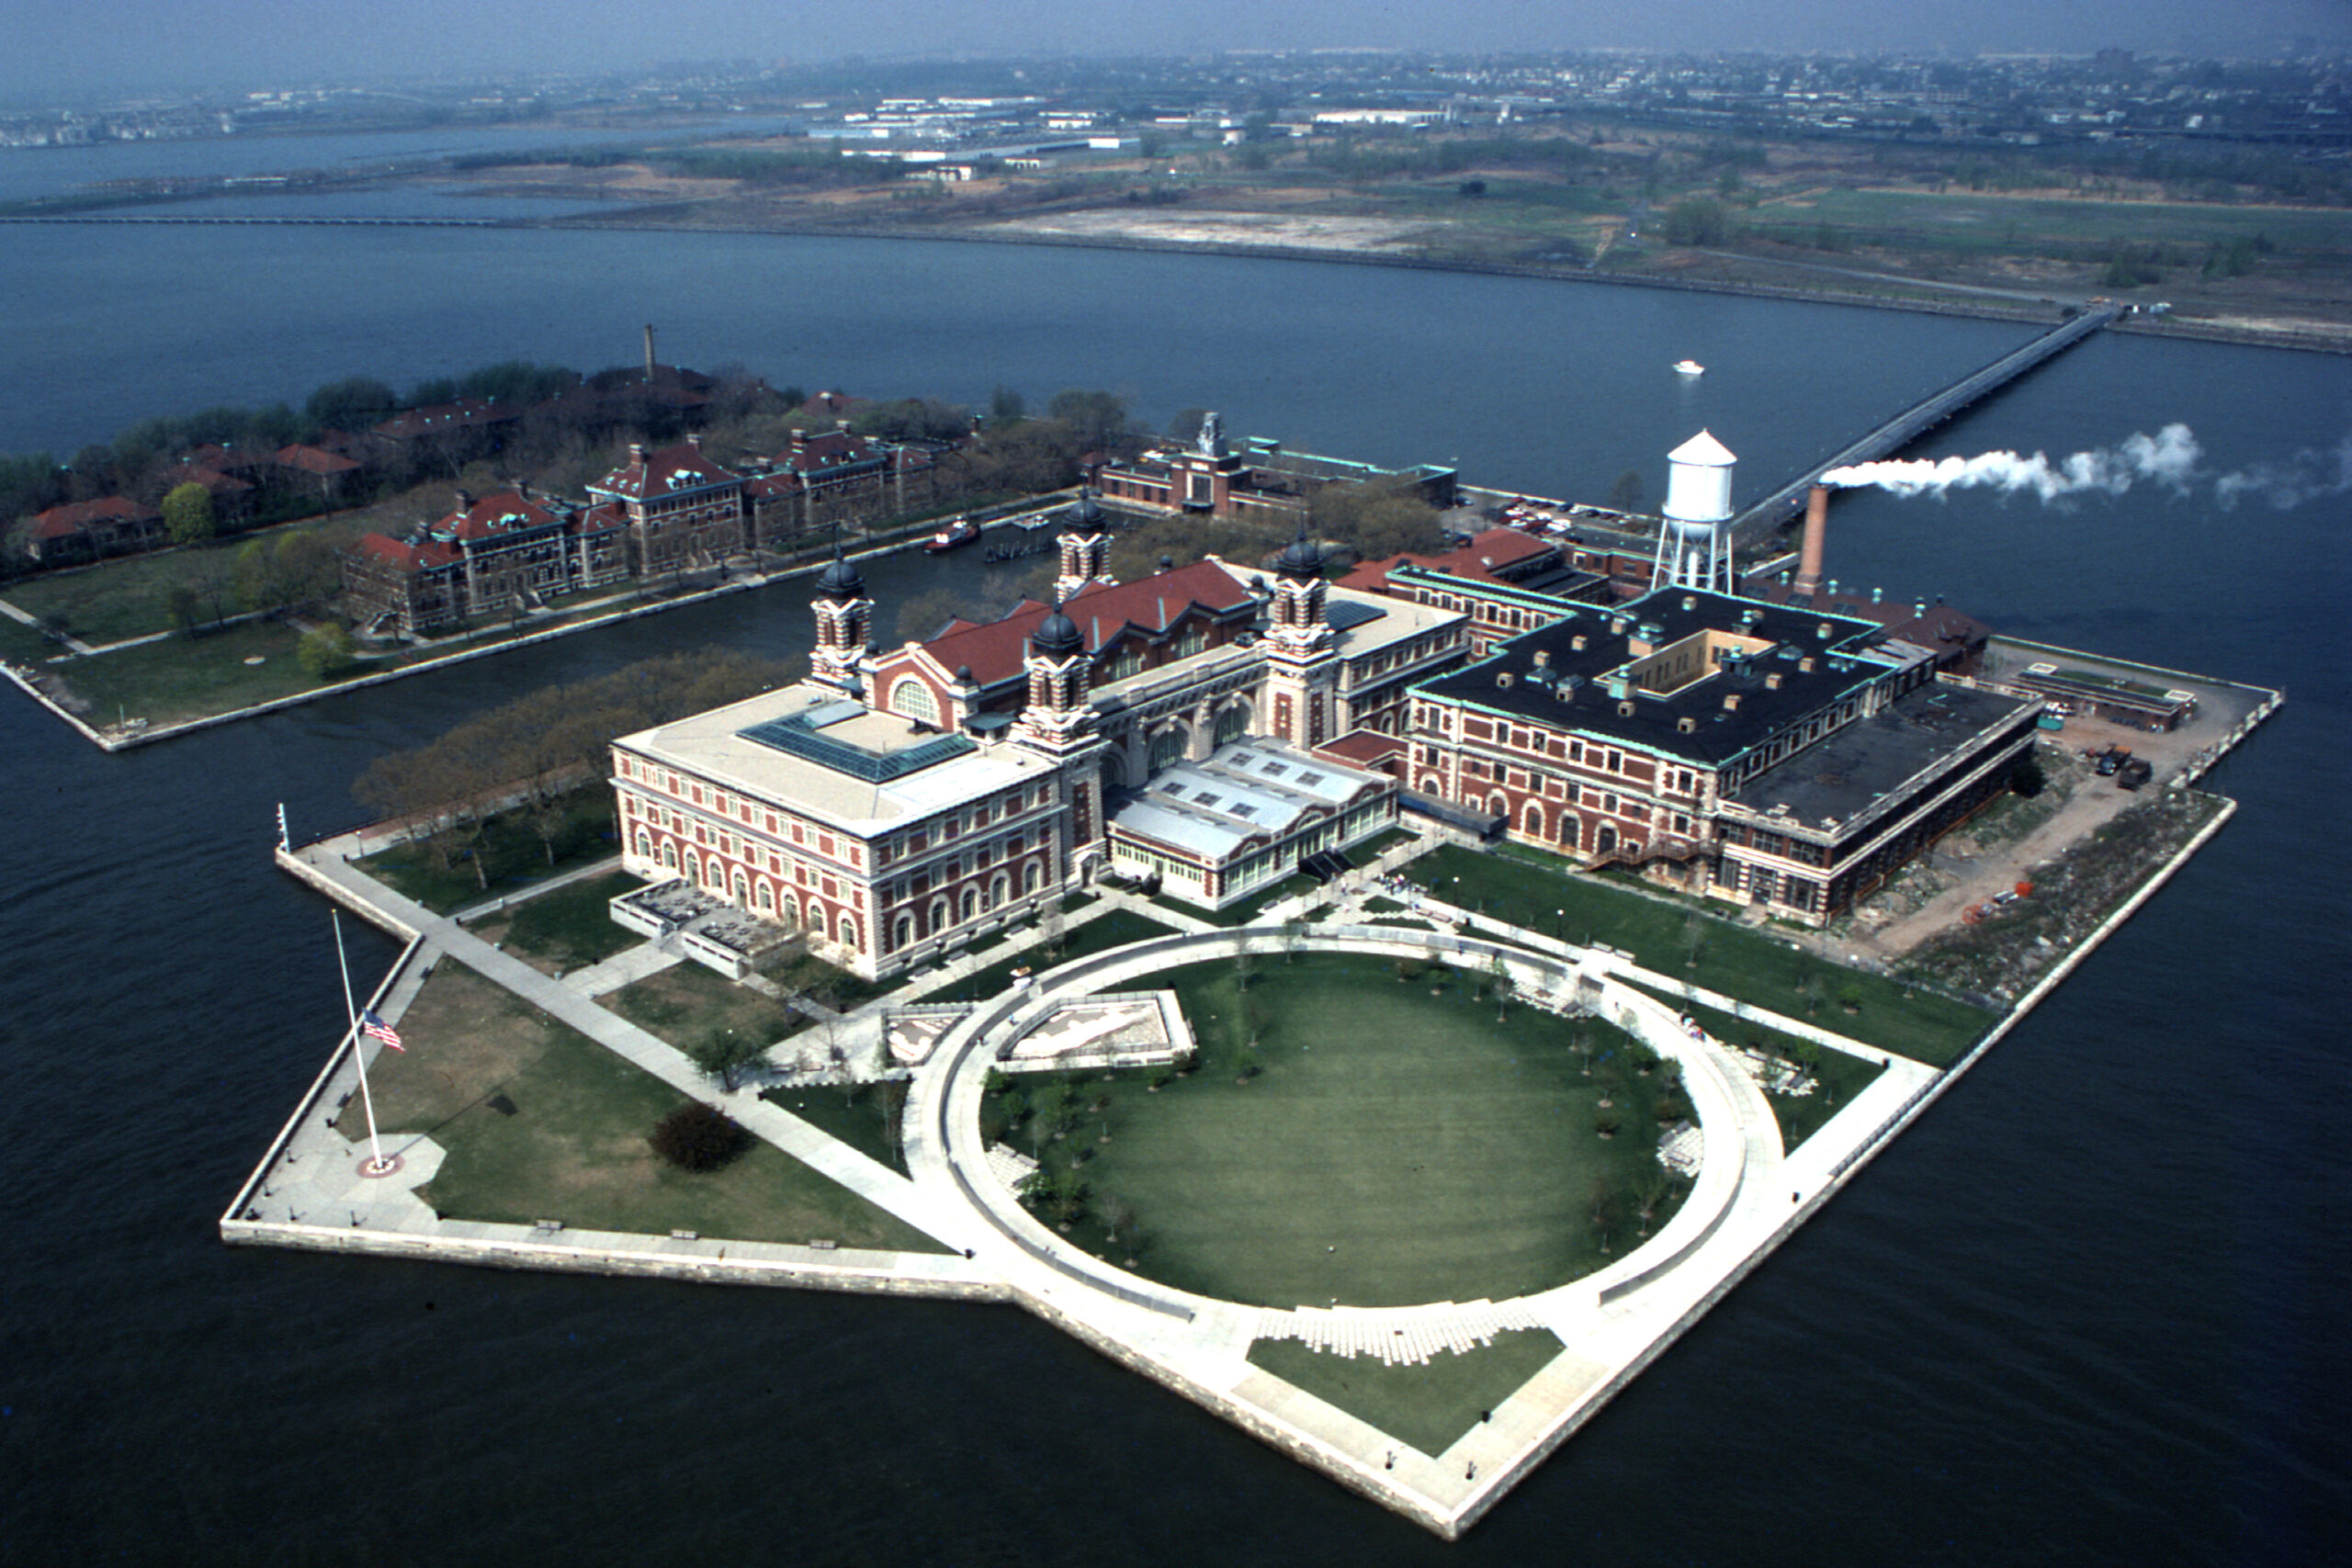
[{"x": 698, "y": 1137}]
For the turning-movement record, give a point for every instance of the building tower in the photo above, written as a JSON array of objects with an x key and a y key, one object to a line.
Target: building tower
[
  {"x": 1086, "y": 548},
  {"x": 1694, "y": 544},
  {"x": 843, "y": 615},
  {"x": 1057, "y": 723},
  {"x": 1301, "y": 667}
]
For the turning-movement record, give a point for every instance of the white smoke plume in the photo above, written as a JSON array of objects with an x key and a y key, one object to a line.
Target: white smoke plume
[
  {"x": 2308, "y": 476},
  {"x": 2169, "y": 459}
]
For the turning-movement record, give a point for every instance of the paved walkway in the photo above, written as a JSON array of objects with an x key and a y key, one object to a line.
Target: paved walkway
[{"x": 25, "y": 617}]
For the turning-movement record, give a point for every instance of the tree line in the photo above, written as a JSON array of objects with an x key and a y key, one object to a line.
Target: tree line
[{"x": 527, "y": 759}]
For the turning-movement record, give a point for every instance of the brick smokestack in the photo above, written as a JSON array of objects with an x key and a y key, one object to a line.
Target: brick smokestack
[
  {"x": 648, "y": 353},
  {"x": 1816, "y": 527}
]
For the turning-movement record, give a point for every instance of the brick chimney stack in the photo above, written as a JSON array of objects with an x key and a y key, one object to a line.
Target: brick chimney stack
[{"x": 1816, "y": 527}]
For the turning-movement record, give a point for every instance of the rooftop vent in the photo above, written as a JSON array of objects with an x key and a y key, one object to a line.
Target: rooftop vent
[
  {"x": 1625, "y": 710},
  {"x": 1575, "y": 643},
  {"x": 1686, "y": 724},
  {"x": 1542, "y": 658},
  {"x": 1772, "y": 681},
  {"x": 1503, "y": 680},
  {"x": 1805, "y": 665},
  {"x": 1731, "y": 703},
  {"x": 1823, "y": 631},
  {"x": 1689, "y": 601}
]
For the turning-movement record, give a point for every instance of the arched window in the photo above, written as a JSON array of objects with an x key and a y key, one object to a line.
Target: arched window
[
  {"x": 644, "y": 844},
  {"x": 903, "y": 933},
  {"x": 670, "y": 856},
  {"x": 912, "y": 699},
  {"x": 971, "y": 903},
  {"x": 1499, "y": 804},
  {"x": 1032, "y": 876},
  {"x": 1232, "y": 723},
  {"x": 1000, "y": 889},
  {"x": 845, "y": 931},
  {"x": 1433, "y": 787},
  {"x": 1571, "y": 829},
  {"x": 1167, "y": 746},
  {"x": 742, "y": 890},
  {"x": 938, "y": 916},
  {"x": 1532, "y": 820},
  {"x": 767, "y": 896},
  {"x": 1605, "y": 840}
]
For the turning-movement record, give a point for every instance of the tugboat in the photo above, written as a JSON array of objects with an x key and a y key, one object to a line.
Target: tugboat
[{"x": 954, "y": 537}]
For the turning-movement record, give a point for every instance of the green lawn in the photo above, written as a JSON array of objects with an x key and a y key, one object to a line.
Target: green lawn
[
  {"x": 182, "y": 678},
  {"x": 510, "y": 854},
  {"x": 541, "y": 1123},
  {"x": 1399, "y": 1145},
  {"x": 1428, "y": 1407},
  {"x": 855, "y": 1117},
  {"x": 1800, "y": 1115},
  {"x": 1984, "y": 222},
  {"x": 1508, "y": 885},
  {"x": 568, "y": 929},
  {"x": 683, "y": 1003},
  {"x": 1101, "y": 935},
  {"x": 1241, "y": 914}
]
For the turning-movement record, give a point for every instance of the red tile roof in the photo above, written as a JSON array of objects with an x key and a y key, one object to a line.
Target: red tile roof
[
  {"x": 313, "y": 460},
  {"x": 407, "y": 557},
  {"x": 666, "y": 472},
  {"x": 505, "y": 513},
  {"x": 1482, "y": 560},
  {"x": 994, "y": 651},
  {"x": 466, "y": 414},
  {"x": 62, "y": 522}
]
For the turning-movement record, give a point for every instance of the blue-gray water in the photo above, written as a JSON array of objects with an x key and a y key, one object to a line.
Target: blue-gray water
[{"x": 2091, "y": 1309}]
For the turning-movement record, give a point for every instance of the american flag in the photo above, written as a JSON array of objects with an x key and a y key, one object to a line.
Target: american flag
[{"x": 369, "y": 1024}]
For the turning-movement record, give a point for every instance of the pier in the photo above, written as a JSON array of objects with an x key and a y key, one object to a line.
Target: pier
[{"x": 1923, "y": 416}]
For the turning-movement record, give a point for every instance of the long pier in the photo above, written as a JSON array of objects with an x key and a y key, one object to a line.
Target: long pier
[
  {"x": 1921, "y": 417},
  {"x": 226, "y": 222}
]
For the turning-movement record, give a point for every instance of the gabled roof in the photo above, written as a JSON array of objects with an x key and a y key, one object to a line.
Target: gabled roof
[
  {"x": 314, "y": 460},
  {"x": 402, "y": 554},
  {"x": 466, "y": 414},
  {"x": 62, "y": 522},
  {"x": 1103, "y": 612},
  {"x": 505, "y": 513},
  {"x": 1482, "y": 560},
  {"x": 671, "y": 471}
]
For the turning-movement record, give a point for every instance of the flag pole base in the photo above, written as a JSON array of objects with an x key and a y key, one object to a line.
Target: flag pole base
[{"x": 376, "y": 1169}]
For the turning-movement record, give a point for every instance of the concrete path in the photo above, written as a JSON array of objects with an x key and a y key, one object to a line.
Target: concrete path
[{"x": 25, "y": 617}]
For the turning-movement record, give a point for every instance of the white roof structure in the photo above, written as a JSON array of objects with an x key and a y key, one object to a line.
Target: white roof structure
[{"x": 1248, "y": 791}]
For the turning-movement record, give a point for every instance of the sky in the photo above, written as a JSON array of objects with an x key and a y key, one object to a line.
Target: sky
[{"x": 108, "y": 46}]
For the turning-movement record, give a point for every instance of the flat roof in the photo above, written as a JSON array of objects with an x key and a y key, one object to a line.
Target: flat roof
[
  {"x": 812, "y": 750},
  {"x": 1851, "y": 770},
  {"x": 1568, "y": 688},
  {"x": 1245, "y": 790}
]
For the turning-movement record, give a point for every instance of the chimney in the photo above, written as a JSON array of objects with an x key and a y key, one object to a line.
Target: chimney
[
  {"x": 465, "y": 501},
  {"x": 693, "y": 439},
  {"x": 637, "y": 451},
  {"x": 648, "y": 353},
  {"x": 1816, "y": 525}
]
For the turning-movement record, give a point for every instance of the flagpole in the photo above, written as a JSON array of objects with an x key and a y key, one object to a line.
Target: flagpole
[{"x": 358, "y": 1048}]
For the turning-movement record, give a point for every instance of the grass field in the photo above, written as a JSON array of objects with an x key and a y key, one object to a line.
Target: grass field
[
  {"x": 565, "y": 930},
  {"x": 1978, "y": 221},
  {"x": 1397, "y": 1145},
  {"x": 181, "y": 679},
  {"x": 683, "y": 1003},
  {"x": 511, "y": 855},
  {"x": 858, "y": 1122},
  {"x": 541, "y": 1123},
  {"x": 1431, "y": 1405},
  {"x": 1509, "y": 885}
]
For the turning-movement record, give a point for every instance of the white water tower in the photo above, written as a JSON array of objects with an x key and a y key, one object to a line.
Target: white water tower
[{"x": 1694, "y": 546}]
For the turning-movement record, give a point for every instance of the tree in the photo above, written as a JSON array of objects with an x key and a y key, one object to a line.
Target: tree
[
  {"x": 1694, "y": 938},
  {"x": 698, "y": 1138},
  {"x": 1006, "y": 406},
  {"x": 187, "y": 513},
  {"x": 1701, "y": 221},
  {"x": 723, "y": 1053},
  {"x": 324, "y": 651},
  {"x": 1624, "y": 492}
]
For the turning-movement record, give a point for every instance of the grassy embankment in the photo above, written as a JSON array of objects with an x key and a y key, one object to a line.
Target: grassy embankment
[
  {"x": 540, "y": 1123},
  {"x": 1359, "y": 1132},
  {"x": 1690, "y": 944},
  {"x": 510, "y": 854}
]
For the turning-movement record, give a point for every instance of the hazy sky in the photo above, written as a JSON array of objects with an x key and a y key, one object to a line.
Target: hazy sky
[{"x": 104, "y": 46}]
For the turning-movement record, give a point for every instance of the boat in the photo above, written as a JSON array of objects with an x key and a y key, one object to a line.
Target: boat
[
  {"x": 1689, "y": 367},
  {"x": 956, "y": 535}
]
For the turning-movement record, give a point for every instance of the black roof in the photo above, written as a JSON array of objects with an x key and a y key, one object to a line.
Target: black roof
[
  {"x": 1849, "y": 770},
  {"x": 1570, "y": 688}
]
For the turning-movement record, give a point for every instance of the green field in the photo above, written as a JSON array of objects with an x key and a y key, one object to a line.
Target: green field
[
  {"x": 1511, "y": 886},
  {"x": 541, "y": 1123},
  {"x": 684, "y": 1003},
  {"x": 181, "y": 679},
  {"x": 1115, "y": 929},
  {"x": 1979, "y": 222},
  {"x": 1397, "y": 1144},
  {"x": 1842, "y": 1077},
  {"x": 568, "y": 929},
  {"x": 1429, "y": 1406}
]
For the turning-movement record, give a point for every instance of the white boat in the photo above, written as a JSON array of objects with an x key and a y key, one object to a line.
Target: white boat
[{"x": 1689, "y": 367}]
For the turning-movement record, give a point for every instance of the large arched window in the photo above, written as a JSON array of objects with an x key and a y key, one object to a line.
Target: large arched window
[
  {"x": 1531, "y": 820},
  {"x": 767, "y": 896},
  {"x": 1167, "y": 746},
  {"x": 670, "y": 856},
  {"x": 938, "y": 916},
  {"x": 903, "y": 933},
  {"x": 742, "y": 891},
  {"x": 912, "y": 699},
  {"x": 1000, "y": 889},
  {"x": 1232, "y": 722},
  {"x": 1032, "y": 876},
  {"x": 644, "y": 844},
  {"x": 845, "y": 931},
  {"x": 971, "y": 903}
]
